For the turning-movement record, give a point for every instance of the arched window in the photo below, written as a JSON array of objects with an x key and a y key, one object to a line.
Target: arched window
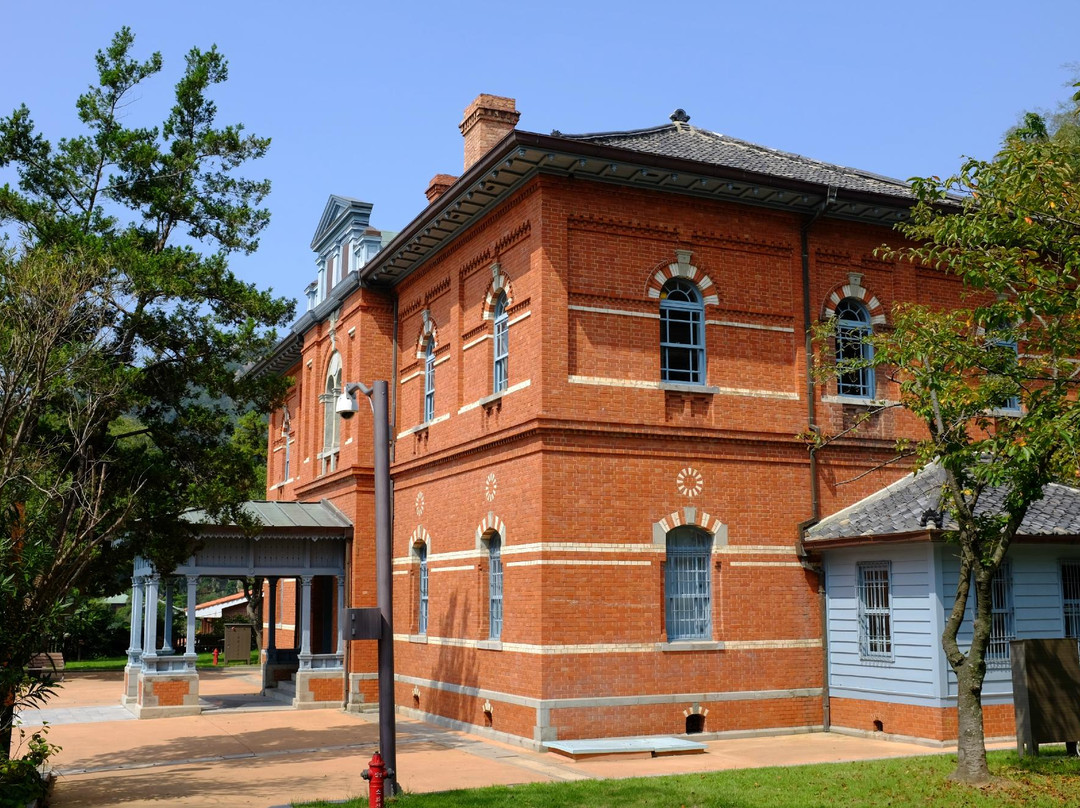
[
  {"x": 331, "y": 420},
  {"x": 687, "y": 585},
  {"x": 853, "y": 329},
  {"x": 429, "y": 380},
  {"x": 682, "y": 333},
  {"x": 422, "y": 618},
  {"x": 495, "y": 587},
  {"x": 502, "y": 345}
]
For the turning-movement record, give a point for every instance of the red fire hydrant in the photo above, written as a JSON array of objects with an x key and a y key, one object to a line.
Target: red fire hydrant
[
  {"x": 215, "y": 656},
  {"x": 376, "y": 773}
]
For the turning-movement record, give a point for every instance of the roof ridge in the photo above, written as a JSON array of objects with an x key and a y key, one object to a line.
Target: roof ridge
[{"x": 881, "y": 493}]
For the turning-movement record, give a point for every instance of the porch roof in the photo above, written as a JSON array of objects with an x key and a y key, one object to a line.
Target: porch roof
[
  {"x": 912, "y": 508},
  {"x": 283, "y": 518}
]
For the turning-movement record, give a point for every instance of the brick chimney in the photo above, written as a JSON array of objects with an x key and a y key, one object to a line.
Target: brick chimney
[
  {"x": 438, "y": 185},
  {"x": 487, "y": 121}
]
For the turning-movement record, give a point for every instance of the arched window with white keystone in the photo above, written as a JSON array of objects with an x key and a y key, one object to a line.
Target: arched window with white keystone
[
  {"x": 854, "y": 352},
  {"x": 688, "y": 584},
  {"x": 328, "y": 457},
  {"x": 501, "y": 369},
  {"x": 422, "y": 584},
  {"x": 495, "y": 586},
  {"x": 682, "y": 333},
  {"x": 429, "y": 379}
]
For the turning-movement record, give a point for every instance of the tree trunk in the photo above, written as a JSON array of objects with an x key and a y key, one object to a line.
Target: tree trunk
[
  {"x": 970, "y": 744},
  {"x": 7, "y": 721}
]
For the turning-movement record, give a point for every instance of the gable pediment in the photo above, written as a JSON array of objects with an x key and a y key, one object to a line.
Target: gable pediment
[{"x": 339, "y": 211}]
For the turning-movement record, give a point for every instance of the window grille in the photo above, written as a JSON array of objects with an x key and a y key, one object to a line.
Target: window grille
[
  {"x": 853, "y": 329},
  {"x": 682, "y": 333},
  {"x": 288, "y": 458},
  {"x": 1070, "y": 591},
  {"x": 502, "y": 345},
  {"x": 495, "y": 587},
  {"x": 688, "y": 590},
  {"x": 1012, "y": 403},
  {"x": 875, "y": 610},
  {"x": 429, "y": 381},
  {"x": 1002, "y": 627},
  {"x": 422, "y": 619}
]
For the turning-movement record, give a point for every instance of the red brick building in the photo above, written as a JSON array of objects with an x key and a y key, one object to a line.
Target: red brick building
[{"x": 597, "y": 354}]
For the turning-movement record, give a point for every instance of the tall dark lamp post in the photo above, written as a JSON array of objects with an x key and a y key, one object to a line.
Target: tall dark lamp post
[{"x": 347, "y": 406}]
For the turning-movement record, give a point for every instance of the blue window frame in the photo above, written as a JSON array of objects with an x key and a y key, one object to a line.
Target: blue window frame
[
  {"x": 687, "y": 585},
  {"x": 1070, "y": 597},
  {"x": 422, "y": 617},
  {"x": 682, "y": 333},
  {"x": 495, "y": 587},
  {"x": 1002, "y": 620},
  {"x": 502, "y": 345},
  {"x": 875, "y": 610},
  {"x": 853, "y": 329},
  {"x": 429, "y": 380},
  {"x": 1010, "y": 405}
]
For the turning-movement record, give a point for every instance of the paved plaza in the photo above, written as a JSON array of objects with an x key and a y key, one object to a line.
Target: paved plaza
[{"x": 247, "y": 750}]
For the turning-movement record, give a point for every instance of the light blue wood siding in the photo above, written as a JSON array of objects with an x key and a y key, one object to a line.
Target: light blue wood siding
[
  {"x": 1037, "y": 604},
  {"x": 910, "y": 676}
]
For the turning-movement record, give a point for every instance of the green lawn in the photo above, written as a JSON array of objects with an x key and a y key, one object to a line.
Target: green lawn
[
  {"x": 1051, "y": 780},
  {"x": 206, "y": 660}
]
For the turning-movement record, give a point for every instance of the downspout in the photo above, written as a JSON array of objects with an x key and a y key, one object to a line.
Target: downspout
[
  {"x": 394, "y": 384},
  {"x": 811, "y": 417}
]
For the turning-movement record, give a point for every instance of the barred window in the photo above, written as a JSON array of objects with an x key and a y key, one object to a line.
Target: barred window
[
  {"x": 687, "y": 585},
  {"x": 852, "y": 331},
  {"x": 875, "y": 610},
  {"x": 1070, "y": 592},
  {"x": 495, "y": 587},
  {"x": 1002, "y": 623},
  {"x": 331, "y": 419},
  {"x": 429, "y": 380},
  {"x": 422, "y": 618},
  {"x": 502, "y": 345},
  {"x": 682, "y": 333}
]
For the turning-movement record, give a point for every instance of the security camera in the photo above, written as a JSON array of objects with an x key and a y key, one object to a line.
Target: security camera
[{"x": 347, "y": 406}]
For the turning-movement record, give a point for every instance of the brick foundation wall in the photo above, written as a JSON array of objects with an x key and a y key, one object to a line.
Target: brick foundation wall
[{"x": 934, "y": 723}]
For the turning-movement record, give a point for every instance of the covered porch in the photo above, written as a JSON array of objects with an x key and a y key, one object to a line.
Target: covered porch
[{"x": 303, "y": 542}]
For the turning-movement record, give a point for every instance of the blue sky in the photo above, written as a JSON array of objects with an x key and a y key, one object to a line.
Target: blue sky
[{"x": 364, "y": 99}]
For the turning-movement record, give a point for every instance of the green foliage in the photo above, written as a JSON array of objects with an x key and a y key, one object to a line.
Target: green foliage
[
  {"x": 21, "y": 776},
  {"x": 1009, "y": 229},
  {"x": 121, "y": 332}
]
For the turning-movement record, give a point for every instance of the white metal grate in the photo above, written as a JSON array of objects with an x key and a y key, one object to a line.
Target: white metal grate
[
  {"x": 687, "y": 585},
  {"x": 875, "y": 610}
]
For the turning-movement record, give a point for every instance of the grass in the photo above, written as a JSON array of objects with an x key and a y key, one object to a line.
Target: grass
[
  {"x": 206, "y": 660},
  {"x": 1050, "y": 780}
]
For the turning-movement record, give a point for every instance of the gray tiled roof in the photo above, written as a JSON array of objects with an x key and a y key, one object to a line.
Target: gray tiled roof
[
  {"x": 681, "y": 140},
  {"x": 288, "y": 515},
  {"x": 899, "y": 508}
]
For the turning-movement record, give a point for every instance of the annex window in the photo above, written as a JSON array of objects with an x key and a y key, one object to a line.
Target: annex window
[
  {"x": 495, "y": 587},
  {"x": 328, "y": 457},
  {"x": 853, "y": 330},
  {"x": 1002, "y": 623},
  {"x": 422, "y": 617},
  {"x": 1070, "y": 593},
  {"x": 687, "y": 587},
  {"x": 682, "y": 333},
  {"x": 1009, "y": 357},
  {"x": 429, "y": 380},
  {"x": 502, "y": 345},
  {"x": 875, "y": 610}
]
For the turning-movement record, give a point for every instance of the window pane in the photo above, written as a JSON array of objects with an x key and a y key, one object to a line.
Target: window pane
[
  {"x": 1001, "y": 618},
  {"x": 875, "y": 611},
  {"x": 495, "y": 587},
  {"x": 687, "y": 586}
]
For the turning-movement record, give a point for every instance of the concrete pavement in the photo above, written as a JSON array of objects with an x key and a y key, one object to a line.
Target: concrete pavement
[{"x": 246, "y": 750}]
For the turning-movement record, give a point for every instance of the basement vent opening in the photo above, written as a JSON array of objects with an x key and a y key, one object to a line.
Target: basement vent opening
[
  {"x": 695, "y": 723},
  {"x": 416, "y": 702},
  {"x": 487, "y": 718},
  {"x": 878, "y": 726}
]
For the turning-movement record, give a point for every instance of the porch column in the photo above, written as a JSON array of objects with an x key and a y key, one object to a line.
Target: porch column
[
  {"x": 305, "y": 623},
  {"x": 150, "y": 629},
  {"x": 135, "y": 643},
  {"x": 167, "y": 644},
  {"x": 189, "y": 644},
  {"x": 341, "y": 615},
  {"x": 271, "y": 619}
]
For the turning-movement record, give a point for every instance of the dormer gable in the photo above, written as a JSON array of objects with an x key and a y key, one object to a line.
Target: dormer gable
[
  {"x": 341, "y": 214},
  {"x": 343, "y": 242}
]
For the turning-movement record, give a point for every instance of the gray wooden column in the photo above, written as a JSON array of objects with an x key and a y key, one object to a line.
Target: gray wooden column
[
  {"x": 305, "y": 623},
  {"x": 166, "y": 643},
  {"x": 271, "y": 619},
  {"x": 135, "y": 643},
  {"x": 192, "y": 597},
  {"x": 150, "y": 627},
  {"x": 341, "y": 615}
]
